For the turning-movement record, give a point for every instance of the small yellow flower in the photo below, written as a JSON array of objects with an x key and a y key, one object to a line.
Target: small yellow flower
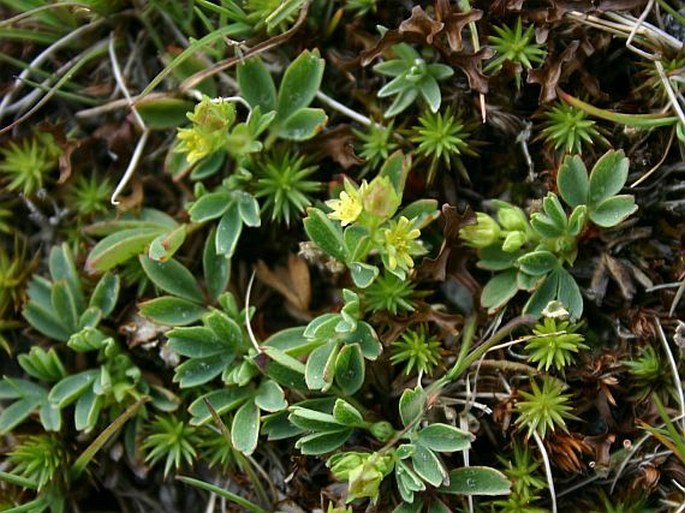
[
  {"x": 401, "y": 244},
  {"x": 209, "y": 133},
  {"x": 348, "y": 207}
]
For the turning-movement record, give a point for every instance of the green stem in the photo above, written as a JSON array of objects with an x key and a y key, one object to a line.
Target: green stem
[
  {"x": 237, "y": 499},
  {"x": 670, "y": 10},
  {"x": 18, "y": 481},
  {"x": 461, "y": 365},
  {"x": 632, "y": 120}
]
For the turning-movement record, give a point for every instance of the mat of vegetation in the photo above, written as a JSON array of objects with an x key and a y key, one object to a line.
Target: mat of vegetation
[{"x": 342, "y": 256}]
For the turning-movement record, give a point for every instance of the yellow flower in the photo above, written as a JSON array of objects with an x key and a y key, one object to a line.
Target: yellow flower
[
  {"x": 210, "y": 131},
  {"x": 401, "y": 244},
  {"x": 348, "y": 207}
]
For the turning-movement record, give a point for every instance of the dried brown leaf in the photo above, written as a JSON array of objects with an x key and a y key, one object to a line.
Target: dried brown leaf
[
  {"x": 422, "y": 25},
  {"x": 338, "y": 144},
  {"x": 66, "y": 145},
  {"x": 454, "y": 25},
  {"x": 550, "y": 73},
  {"x": 621, "y": 275},
  {"x": 291, "y": 281},
  {"x": 469, "y": 63}
]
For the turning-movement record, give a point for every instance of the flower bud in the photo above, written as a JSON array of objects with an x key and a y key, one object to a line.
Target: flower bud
[
  {"x": 380, "y": 198},
  {"x": 513, "y": 241},
  {"x": 382, "y": 430},
  {"x": 342, "y": 464},
  {"x": 365, "y": 480},
  {"x": 485, "y": 232},
  {"x": 511, "y": 217}
]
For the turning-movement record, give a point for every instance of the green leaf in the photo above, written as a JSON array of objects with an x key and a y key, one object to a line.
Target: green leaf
[
  {"x": 14, "y": 388},
  {"x": 64, "y": 305},
  {"x": 89, "y": 339},
  {"x": 216, "y": 267},
  {"x": 545, "y": 227},
  {"x": 322, "y": 327},
  {"x": 195, "y": 342},
  {"x": 222, "y": 401},
  {"x": 172, "y": 277},
  {"x": 256, "y": 84},
  {"x": 573, "y": 181},
  {"x": 526, "y": 281},
  {"x": 45, "y": 322},
  {"x": 106, "y": 293},
  {"x": 403, "y": 100},
  {"x": 553, "y": 208},
  {"x": 545, "y": 293},
  {"x": 276, "y": 426},
  {"x": 43, "y": 365},
  {"x": 148, "y": 218},
  {"x": 477, "y": 481},
  {"x": 300, "y": 84},
  {"x": 17, "y": 412},
  {"x": 569, "y": 294},
  {"x": 209, "y": 206},
  {"x": 346, "y": 414},
  {"x": 249, "y": 209},
  {"x": 270, "y": 397},
  {"x": 444, "y": 438},
  {"x": 39, "y": 290},
  {"x": 412, "y": 404},
  {"x": 303, "y": 124},
  {"x": 164, "y": 246},
  {"x": 423, "y": 211},
  {"x": 90, "y": 318},
  {"x": 409, "y": 507},
  {"x": 198, "y": 371},
  {"x": 16, "y": 480},
  {"x": 172, "y": 311},
  {"x": 367, "y": 339},
  {"x": 322, "y": 443},
  {"x": 245, "y": 428},
  {"x": 428, "y": 465},
  {"x": 319, "y": 369},
  {"x": 289, "y": 340},
  {"x": 281, "y": 13},
  {"x": 576, "y": 220},
  {"x": 118, "y": 248},
  {"x": 160, "y": 113},
  {"x": 613, "y": 211},
  {"x": 87, "y": 410},
  {"x": 430, "y": 91},
  {"x": 82, "y": 461},
  {"x": 357, "y": 242},
  {"x": 205, "y": 167},
  {"x": 284, "y": 369},
  {"x": 313, "y": 420},
  {"x": 67, "y": 390},
  {"x": 228, "y": 231},
  {"x": 493, "y": 258},
  {"x": 50, "y": 417},
  {"x": 325, "y": 233},
  {"x": 607, "y": 177},
  {"x": 396, "y": 168},
  {"x": 62, "y": 267},
  {"x": 537, "y": 263},
  {"x": 499, "y": 290},
  {"x": 349, "y": 369},
  {"x": 225, "y": 329}
]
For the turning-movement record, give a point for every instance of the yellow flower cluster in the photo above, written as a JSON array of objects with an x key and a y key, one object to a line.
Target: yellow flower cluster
[{"x": 210, "y": 130}]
